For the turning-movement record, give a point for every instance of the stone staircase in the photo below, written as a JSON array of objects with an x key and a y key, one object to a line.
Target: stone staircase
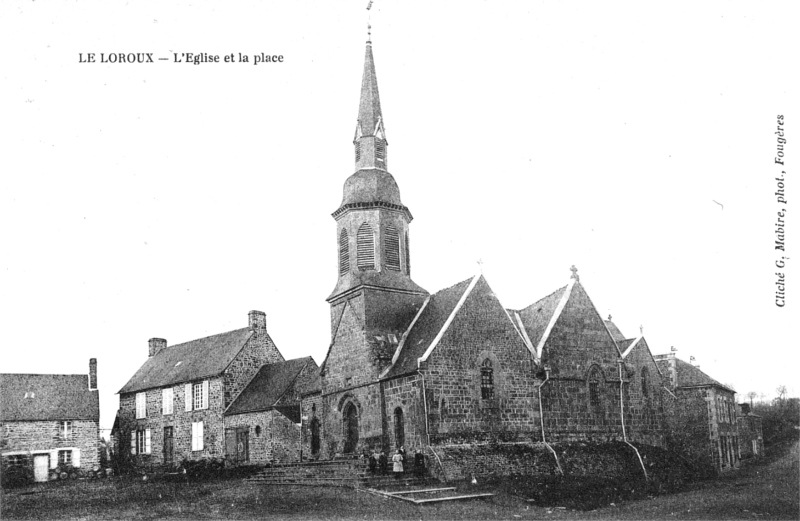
[{"x": 335, "y": 473}]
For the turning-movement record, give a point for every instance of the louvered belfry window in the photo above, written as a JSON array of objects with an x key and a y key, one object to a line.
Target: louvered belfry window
[
  {"x": 392, "y": 246},
  {"x": 408, "y": 257},
  {"x": 365, "y": 244},
  {"x": 344, "y": 253},
  {"x": 380, "y": 149},
  {"x": 358, "y": 151}
]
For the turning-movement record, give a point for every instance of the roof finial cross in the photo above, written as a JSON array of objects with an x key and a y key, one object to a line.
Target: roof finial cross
[
  {"x": 641, "y": 330},
  {"x": 574, "y": 271},
  {"x": 369, "y": 19}
]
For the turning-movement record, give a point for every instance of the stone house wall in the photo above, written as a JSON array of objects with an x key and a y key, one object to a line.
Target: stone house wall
[
  {"x": 37, "y": 437},
  {"x": 272, "y": 437},
  {"x": 259, "y": 350},
  {"x": 181, "y": 422}
]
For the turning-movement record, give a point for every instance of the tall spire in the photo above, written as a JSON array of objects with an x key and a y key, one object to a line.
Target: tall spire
[{"x": 370, "y": 137}]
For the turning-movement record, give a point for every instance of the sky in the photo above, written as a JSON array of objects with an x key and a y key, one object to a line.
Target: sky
[{"x": 633, "y": 140}]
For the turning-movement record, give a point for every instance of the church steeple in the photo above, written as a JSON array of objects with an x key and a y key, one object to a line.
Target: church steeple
[
  {"x": 370, "y": 136},
  {"x": 372, "y": 222}
]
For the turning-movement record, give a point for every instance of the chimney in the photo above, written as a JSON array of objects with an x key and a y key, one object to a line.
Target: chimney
[
  {"x": 258, "y": 320},
  {"x": 93, "y": 374},
  {"x": 156, "y": 345}
]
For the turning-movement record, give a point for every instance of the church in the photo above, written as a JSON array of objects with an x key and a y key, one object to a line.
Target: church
[{"x": 407, "y": 368}]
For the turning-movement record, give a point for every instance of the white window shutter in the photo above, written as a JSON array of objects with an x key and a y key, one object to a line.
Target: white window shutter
[
  {"x": 133, "y": 442},
  {"x": 205, "y": 394},
  {"x": 188, "y": 397},
  {"x": 147, "y": 441},
  {"x": 200, "y": 434},
  {"x": 76, "y": 457},
  {"x": 194, "y": 436}
]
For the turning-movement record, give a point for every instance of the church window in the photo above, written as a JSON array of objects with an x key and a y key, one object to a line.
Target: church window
[
  {"x": 392, "y": 246},
  {"x": 645, "y": 382},
  {"x": 380, "y": 150},
  {"x": 344, "y": 253},
  {"x": 594, "y": 387},
  {"x": 487, "y": 380},
  {"x": 365, "y": 244},
  {"x": 399, "y": 428},
  {"x": 408, "y": 257}
]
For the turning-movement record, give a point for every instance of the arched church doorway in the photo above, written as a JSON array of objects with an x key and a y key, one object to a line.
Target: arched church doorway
[
  {"x": 350, "y": 420},
  {"x": 314, "y": 437},
  {"x": 399, "y": 428}
]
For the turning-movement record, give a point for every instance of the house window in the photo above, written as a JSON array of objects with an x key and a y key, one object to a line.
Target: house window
[
  {"x": 197, "y": 436},
  {"x": 21, "y": 460},
  {"x": 365, "y": 248},
  {"x": 344, "y": 253},
  {"x": 487, "y": 380},
  {"x": 197, "y": 396},
  {"x": 65, "y": 430},
  {"x": 65, "y": 457},
  {"x": 141, "y": 405},
  {"x": 594, "y": 387},
  {"x": 645, "y": 382},
  {"x": 166, "y": 401},
  {"x": 140, "y": 441}
]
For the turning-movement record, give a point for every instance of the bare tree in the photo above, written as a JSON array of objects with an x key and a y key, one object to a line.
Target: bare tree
[
  {"x": 781, "y": 390},
  {"x": 751, "y": 395}
]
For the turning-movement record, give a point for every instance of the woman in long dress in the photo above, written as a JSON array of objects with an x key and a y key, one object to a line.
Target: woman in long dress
[{"x": 397, "y": 464}]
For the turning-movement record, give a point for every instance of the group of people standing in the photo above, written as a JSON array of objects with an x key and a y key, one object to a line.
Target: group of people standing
[{"x": 379, "y": 461}]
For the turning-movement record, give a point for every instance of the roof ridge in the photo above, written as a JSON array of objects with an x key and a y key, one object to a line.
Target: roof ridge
[
  {"x": 562, "y": 303},
  {"x": 205, "y": 337},
  {"x": 543, "y": 298}
]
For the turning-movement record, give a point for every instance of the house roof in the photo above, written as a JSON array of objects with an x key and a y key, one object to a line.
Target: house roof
[
  {"x": 691, "y": 376},
  {"x": 47, "y": 397},
  {"x": 200, "y": 358},
  {"x": 270, "y": 383},
  {"x": 427, "y": 325}
]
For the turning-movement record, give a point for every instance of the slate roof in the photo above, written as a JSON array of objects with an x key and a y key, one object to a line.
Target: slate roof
[
  {"x": 537, "y": 316},
  {"x": 624, "y": 344},
  {"x": 428, "y": 323},
  {"x": 50, "y": 397},
  {"x": 691, "y": 376},
  {"x": 616, "y": 334},
  {"x": 200, "y": 358},
  {"x": 267, "y": 387}
]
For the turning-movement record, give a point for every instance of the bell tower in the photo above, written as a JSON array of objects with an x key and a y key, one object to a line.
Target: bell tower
[{"x": 372, "y": 230}]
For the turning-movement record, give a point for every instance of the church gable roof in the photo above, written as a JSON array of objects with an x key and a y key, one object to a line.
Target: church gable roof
[
  {"x": 268, "y": 386},
  {"x": 616, "y": 334},
  {"x": 428, "y": 326},
  {"x": 538, "y": 316},
  {"x": 199, "y": 358},
  {"x": 39, "y": 397}
]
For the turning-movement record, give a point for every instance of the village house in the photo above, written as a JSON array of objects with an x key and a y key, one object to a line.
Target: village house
[
  {"x": 262, "y": 425},
  {"x": 47, "y": 420},
  {"x": 751, "y": 435},
  {"x": 701, "y": 416},
  {"x": 173, "y": 407}
]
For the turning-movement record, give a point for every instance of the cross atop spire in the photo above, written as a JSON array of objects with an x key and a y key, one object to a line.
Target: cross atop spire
[
  {"x": 370, "y": 137},
  {"x": 574, "y": 275}
]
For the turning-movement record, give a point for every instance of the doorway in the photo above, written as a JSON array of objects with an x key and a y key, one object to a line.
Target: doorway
[
  {"x": 314, "y": 437},
  {"x": 169, "y": 451},
  {"x": 350, "y": 420},
  {"x": 41, "y": 466}
]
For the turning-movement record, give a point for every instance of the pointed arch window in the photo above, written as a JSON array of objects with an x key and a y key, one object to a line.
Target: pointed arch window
[
  {"x": 392, "y": 246},
  {"x": 487, "y": 380},
  {"x": 365, "y": 245},
  {"x": 594, "y": 387},
  {"x": 344, "y": 253},
  {"x": 399, "y": 428},
  {"x": 645, "y": 383},
  {"x": 408, "y": 257}
]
